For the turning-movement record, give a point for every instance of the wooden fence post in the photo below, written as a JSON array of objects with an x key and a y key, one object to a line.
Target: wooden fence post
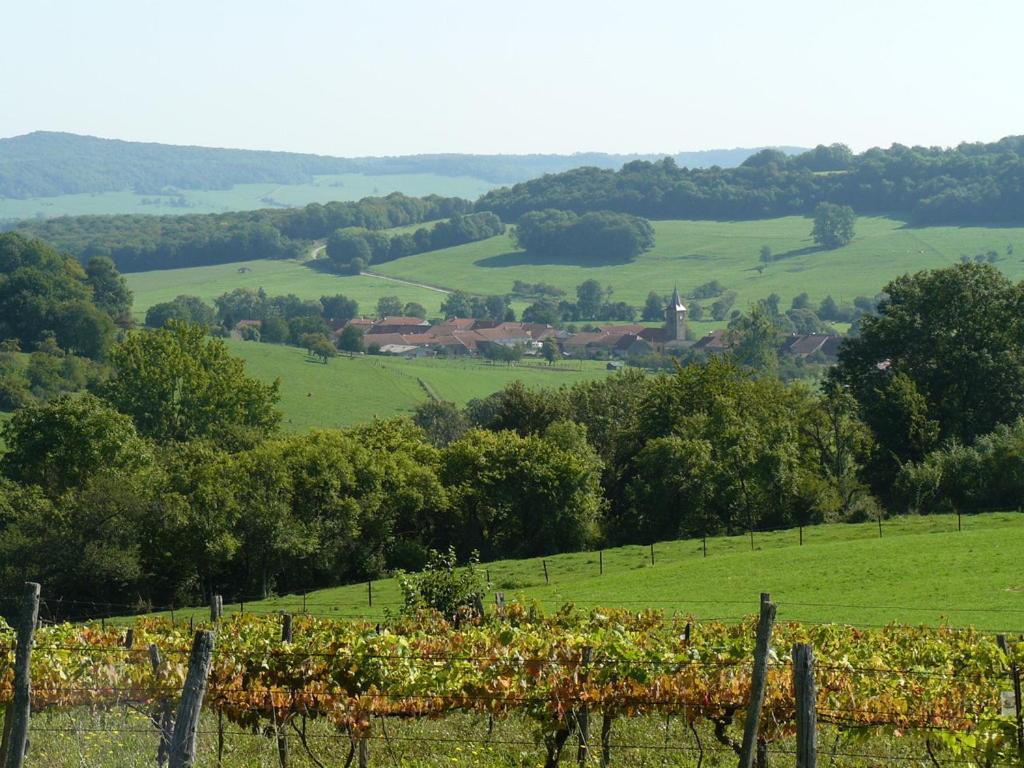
[
  {"x": 652, "y": 553},
  {"x": 806, "y": 695},
  {"x": 216, "y": 608},
  {"x": 1015, "y": 675},
  {"x": 600, "y": 562},
  {"x": 758, "y": 681},
  {"x": 369, "y": 592},
  {"x": 286, "y": 628},
  {"x": 583, "y": 716},
  {"x": 18, "y": 713},
  {"x": 162, "y": 717},
  {"x": 545, "y": 564},
  {"x": 186, "y": 724}
]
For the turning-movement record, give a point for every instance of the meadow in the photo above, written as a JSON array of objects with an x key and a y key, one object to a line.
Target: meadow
[
  {"x": 686, "y": 253},
  {"x": 690, "y": 253},
  {"x": 275, "y": 277},
  {"x": 921, "y": 571},
  {"x": 352, "y": 390},
  {"x": 245, "y": 197}
]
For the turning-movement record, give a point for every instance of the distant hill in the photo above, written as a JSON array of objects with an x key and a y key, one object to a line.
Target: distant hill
[{"x": 48, "y": 164}]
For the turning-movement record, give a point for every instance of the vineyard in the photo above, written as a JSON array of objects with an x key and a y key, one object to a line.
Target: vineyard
[{"x": 327, "y": 692}]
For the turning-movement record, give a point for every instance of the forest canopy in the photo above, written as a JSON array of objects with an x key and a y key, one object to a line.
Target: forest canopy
[{"x": 970, "y": 183}]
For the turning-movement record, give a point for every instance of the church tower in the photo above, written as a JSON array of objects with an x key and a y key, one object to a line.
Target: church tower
[{"x": 675, "y": 318}]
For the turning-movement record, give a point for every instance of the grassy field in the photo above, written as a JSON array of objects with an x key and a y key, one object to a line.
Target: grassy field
[
  {"x": 689, "y": 253},
  {"x": 275, "y": 277},
  {"x": 245, "y": 197},
  {"x": 351, "y": 390},
  {"x": 921, "y": 571}
]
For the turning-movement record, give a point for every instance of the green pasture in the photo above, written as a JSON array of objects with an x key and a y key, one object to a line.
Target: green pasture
[
  {"x": 246, "y": 197},
  {"x": 275, "y": 277},
  {"x": 922, "y": 570},
  {"x": 689, "y": 253},
  {"x": 351, "y": 390}
]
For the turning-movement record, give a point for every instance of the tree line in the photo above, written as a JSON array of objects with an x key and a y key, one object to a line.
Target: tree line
[
  {"x": 137, "y": 242},
  {"x": 49, "y": 297},
  {"x": 353, "y": 248},
  {"x": 969, "y": 183},
  {"x": 595, "y": 237}
]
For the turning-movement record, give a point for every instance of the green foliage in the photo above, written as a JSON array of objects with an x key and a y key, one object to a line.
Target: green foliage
[
  {"x": 178, "y": 384},
  {"x": 591, "y": 238},
  {"x": 339, "y": 308},
  {"x": 389, "y": 306},
  {"x": 653, "y": 307},
  {"x": 755, "y": 340},
  {"x": 110, "y": 290},
  {"x": 358, "y": 245},
  {"x": 351, "y": 339},
  {"x": 833, "y": 225},
  {"x": 738, "y": 453},
  {"x": 971, "y": 182},
  {"x": 414, "y": 309},
  {"x": 183, "y": 309},
  {"x": 346, "y": 245},
  {"x": 444, "y": 586},
  {"x": 521, "y": 495},
  {"x": 462, "y": 304},
  {"x": 986, "y": 474},
  {"x": 941, "y": 360},
  {"x": 442, "y": 422},
  {"x": 44, "y": 293},
  {"x": 62, "y": 444},
  {"x": 139, "y": 242}
]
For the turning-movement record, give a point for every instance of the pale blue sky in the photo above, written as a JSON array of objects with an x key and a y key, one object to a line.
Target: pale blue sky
[{"x": 401, "y": 77}]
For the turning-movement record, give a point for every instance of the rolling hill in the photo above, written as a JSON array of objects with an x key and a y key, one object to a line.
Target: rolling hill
[
  {"x": 45, "y": 174},
  {"x": 690, "y": 253},
  {"x": 351, "y": 390},
  {"x": 921, "y": 571}
]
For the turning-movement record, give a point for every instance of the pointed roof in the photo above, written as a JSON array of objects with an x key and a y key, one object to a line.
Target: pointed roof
[{"x": 676, "y": 303}]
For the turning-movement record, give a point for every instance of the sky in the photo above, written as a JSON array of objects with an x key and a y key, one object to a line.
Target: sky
[{"x": 403, "y": 77}]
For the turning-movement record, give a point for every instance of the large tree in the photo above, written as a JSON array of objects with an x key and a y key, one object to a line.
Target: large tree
[
  {"x": 61, "y": 444},
  {"x": 942, "y": 359},
  {"x": 179, "y": 384},
  {"x": 44, "y": 293},
  {"x": 833, "y": 225}
]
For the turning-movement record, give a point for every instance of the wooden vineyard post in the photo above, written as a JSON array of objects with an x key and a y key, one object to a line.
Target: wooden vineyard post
[
  {"x": 18, "y": 713},
  {"x": 606, "y": 739},
  {"x": 369, "y": 593},
  {"x": 162, "y": 715},
  {"x": 1015, "y": 675},
  {"x": 758, "y": 681},
  {"x": 364, "y": 752},
  {"x": 186, "y": 724},
  {"x": 652, "y": 553},
  {"x": 806, "y": 706},
  {"x": 583, "y": 715},
  {"x": 600, "y": 562},
  {"x": 545, "y": 564},
  {"x": 216, "y": 608},
  {"x": 286, "y": 628}
]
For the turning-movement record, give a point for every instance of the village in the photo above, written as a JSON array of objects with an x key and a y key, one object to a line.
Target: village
[{"x": 460, "y": 336}]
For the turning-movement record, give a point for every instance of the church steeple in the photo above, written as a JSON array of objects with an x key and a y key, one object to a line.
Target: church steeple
[{"x": 675, "y": 318}]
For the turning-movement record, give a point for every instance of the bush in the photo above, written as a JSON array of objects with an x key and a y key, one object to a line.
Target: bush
[{"x": 444, "y": 587}]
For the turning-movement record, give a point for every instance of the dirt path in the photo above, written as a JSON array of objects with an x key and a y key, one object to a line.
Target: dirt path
[{"x": 406, "y": 282}]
